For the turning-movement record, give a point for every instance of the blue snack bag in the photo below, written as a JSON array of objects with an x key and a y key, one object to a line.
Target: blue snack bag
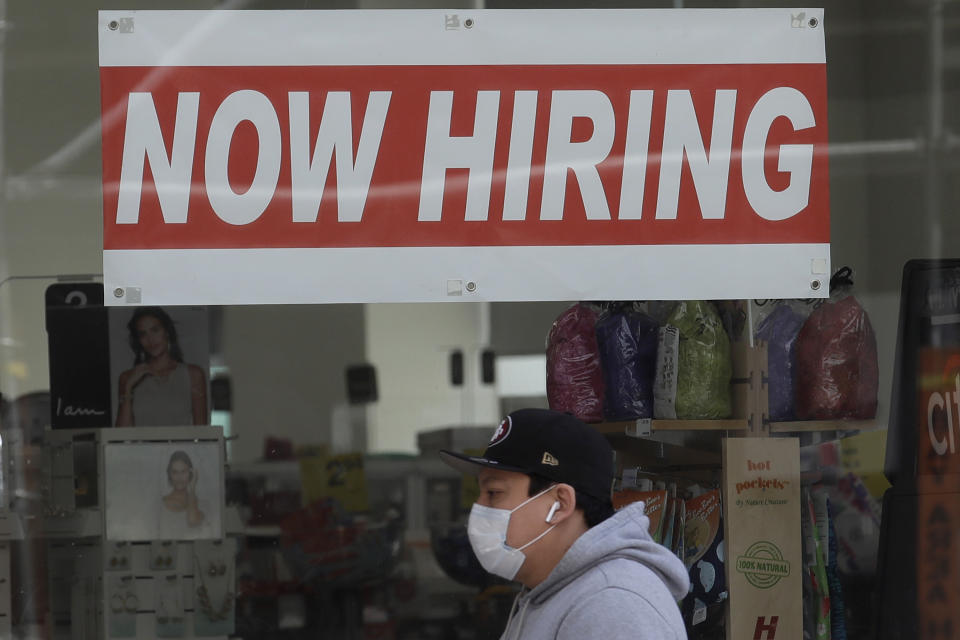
[{"x": 780, "y": 330}]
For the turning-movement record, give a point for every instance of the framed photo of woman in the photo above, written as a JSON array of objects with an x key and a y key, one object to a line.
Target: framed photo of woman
[
  {"x": 159, "y": 366},
  {"x": 168, "y": 491}
]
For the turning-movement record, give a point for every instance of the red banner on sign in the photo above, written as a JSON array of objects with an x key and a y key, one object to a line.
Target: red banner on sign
[{"x": 449, "y": 156}]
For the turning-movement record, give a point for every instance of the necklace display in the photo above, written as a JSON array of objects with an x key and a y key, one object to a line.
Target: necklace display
[
  {"x": 207, "y": 608},
  {"x": 211, "y": 574}
]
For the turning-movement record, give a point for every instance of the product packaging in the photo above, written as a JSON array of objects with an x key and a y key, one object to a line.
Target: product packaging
[
  {"x": 704, "y": 368},
  {"x": 816, "y": 566},
  {"x": 655, "y": 503},
  {"x": 627, "y": 341},
  {"x": 704, "y": 556},
  {"x": 856, "y": 521},
  {"x": 669, "y": 513},
  {"x": 837, "y": 372},
  {"x": 838, "y": 612},
  {"x": 574, "y": 373},
  {"x": 679, "y": 522},
  {"x": 665, "y": 377},
  {"x": 811, "y": 601},
  {"x": 779, "y": 329}
]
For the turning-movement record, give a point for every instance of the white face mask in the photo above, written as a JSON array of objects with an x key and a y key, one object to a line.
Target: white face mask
[{"x": 487, "y": 530}]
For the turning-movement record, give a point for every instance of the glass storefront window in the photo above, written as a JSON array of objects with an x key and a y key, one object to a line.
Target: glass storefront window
[{"x": 330, "y": 514}]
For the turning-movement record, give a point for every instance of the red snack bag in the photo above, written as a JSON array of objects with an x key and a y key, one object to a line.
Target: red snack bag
[
  {"x": 837, "y": 373},
  {"x": 574, "y": 372}
]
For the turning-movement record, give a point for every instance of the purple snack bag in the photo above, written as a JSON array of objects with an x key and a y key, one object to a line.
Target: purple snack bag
[
  {"x": 780, "y": 330},
  {"x": 628, "y": 352}
]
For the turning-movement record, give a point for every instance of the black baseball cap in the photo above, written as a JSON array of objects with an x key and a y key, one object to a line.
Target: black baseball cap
[{"x": 548, "y": 443}]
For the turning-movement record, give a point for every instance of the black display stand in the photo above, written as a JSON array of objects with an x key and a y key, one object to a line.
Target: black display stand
[{"x": 929, "y": 319}]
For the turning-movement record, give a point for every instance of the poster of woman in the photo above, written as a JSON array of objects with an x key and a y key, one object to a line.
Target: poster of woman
[
  {"x": 182, "y": 511},
  {"x": 159, "y": 361},
  {"x": 163, "y": 491}
]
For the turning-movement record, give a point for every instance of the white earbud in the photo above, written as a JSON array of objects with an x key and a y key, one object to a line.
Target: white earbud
[{"x": 553, "y": 510}]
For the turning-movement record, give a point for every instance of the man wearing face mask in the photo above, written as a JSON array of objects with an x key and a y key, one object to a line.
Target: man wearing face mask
[{"x": 544, "y": 518}]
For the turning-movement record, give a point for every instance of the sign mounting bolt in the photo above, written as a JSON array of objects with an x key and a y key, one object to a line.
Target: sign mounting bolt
[
  {"x": 815, "y": 285},
  {"x": 118, "y": 293}
]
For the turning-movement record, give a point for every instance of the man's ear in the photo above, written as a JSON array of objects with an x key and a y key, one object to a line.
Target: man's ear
[{"x": 567, "y": 497}]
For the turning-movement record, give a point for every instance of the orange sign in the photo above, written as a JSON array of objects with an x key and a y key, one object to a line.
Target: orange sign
[{"x": 938, "y": 486}]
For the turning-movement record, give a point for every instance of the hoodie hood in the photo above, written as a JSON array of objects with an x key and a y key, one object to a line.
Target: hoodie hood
[{"x": 623, "y": 535}]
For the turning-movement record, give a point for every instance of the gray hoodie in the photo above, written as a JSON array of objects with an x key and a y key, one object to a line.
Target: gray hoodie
[{"x": 614, "y": 582}]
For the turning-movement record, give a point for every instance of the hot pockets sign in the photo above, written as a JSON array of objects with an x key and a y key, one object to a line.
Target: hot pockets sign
[{"x": 452, "y": 169}]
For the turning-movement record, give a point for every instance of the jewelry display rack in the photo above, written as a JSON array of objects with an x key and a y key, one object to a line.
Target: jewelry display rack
[{"x": 138, "y": 589}]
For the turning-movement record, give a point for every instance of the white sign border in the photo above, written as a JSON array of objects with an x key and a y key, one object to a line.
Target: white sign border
[
  {"x": 425, "y": 37},
  {"x": 444, "y": 274}
]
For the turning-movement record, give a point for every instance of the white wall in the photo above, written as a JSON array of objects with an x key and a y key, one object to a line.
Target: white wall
[{"x": 410, "y": 346}]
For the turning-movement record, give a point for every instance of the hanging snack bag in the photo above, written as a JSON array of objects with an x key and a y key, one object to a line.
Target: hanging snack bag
[
  {"x": 665, "y": 378},
  {"x": 779, "y": 329},
  {"x": 857, "y": 525},
  {"x": 837, "y": 372},
  {"x": 574, "y": 373},
  {"x": 668, "y": 516},
  {"x": 838, "y": 613},
  {"x": 679, "y": 522},
  {"x": 811, "y": 599},
  {"x": 703, "y": 363},
  {"x": 704, "y": 556},
  {"x": 627, "y": 341},
  {"x": 820, "y": 590},
  {"x": 654, "y": 507}
]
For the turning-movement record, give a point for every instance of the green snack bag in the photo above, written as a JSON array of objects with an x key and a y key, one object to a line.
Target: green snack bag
[{"x": 703, "y": 362}]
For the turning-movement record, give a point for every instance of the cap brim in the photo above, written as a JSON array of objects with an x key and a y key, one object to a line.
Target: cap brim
[{"x": 472, "y": 465}]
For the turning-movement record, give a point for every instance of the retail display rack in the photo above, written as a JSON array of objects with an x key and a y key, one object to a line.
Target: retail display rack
[
  {"x": 142, "y": 585},
  {"x": 695, "y": 451},
  {"x": 751, "y": 407}
]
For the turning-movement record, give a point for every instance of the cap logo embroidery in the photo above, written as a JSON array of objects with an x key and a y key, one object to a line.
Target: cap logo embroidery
[
  {"x": 502, "y": 432},
  {"x": 549, "y": 459}
]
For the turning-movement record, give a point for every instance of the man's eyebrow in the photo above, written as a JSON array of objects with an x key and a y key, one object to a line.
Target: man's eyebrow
[{"x": 486, "y": 481}]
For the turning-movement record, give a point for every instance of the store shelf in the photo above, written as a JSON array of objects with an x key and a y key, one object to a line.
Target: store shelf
[
  {"x": 633, "y": 427},
  {"x": 262, "y": 531},
  {"x": 700, "y": 425},
  {"x": 83, "y": 523},
  {"x": 822, "y": 425}
]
